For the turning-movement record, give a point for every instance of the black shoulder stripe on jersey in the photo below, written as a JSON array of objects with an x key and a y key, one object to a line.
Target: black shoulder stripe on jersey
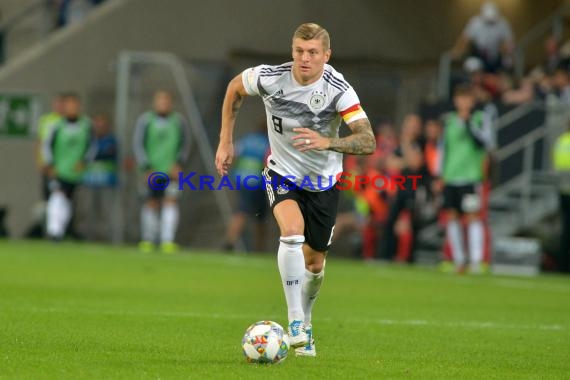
[
  {"x": 331, "y": 79},
  {"x": 275, "y": 69},
  {"x": 341, "y": 89},
  {"x": 338, "y": 82},
  {"x": 273, "y": 74},
  {"x": 283, "y": 65},
  {"x": 341, "y": 81}
]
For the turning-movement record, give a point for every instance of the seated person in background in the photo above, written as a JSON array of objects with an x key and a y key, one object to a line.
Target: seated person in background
[
  {"x": 538, "y": 85},
  {"x": 101, "y": 178},
  {"x": 251, "y": 153},
  {"x": 490, "y": 37}
]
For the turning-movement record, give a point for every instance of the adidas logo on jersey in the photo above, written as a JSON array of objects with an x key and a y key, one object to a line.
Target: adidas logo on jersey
[
  {"x": 278, "y": 94},
  {"x": 281, "y": 190}
]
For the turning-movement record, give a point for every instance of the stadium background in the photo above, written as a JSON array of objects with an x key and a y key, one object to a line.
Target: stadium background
[{"x": 389, "y": 51}]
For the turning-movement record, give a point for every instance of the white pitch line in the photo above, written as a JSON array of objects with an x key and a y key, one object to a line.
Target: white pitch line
[{"x": 477, "y": 325}]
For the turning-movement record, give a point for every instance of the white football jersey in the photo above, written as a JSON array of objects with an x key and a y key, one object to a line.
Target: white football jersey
[{"x": 319, "y": 106}]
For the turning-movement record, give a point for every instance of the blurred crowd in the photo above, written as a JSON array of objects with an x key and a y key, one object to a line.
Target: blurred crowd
[
  {"x": 385, "y": 224},
  {"x": 486, "y": 53}
]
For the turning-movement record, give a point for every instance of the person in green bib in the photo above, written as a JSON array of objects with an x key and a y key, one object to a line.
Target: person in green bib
[
  {"x": 43, "y": 129},
  {"x": 561, "y": 160},
  {"x": 161, "y": 144},
  {"x": 46, "y": 123},
  {"x": 67, "y": 149},
  {"x": 467, "y": 136}
]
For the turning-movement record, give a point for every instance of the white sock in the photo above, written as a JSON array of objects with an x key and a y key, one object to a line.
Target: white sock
[
  {"x": 58, "y": 214},
  {"x": 476, "y": 236},
  {"x": 311, "y": 287},
  {"x": 455, "y": 236},
  {"x": 169, "y": 223},
  {"x": 149, "y": 223},
  {"x": 291, "y": 264}
]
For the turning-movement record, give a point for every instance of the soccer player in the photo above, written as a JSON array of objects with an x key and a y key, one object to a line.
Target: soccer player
[
  {"x": 161, "y": 144},
  {"x": 67, "y": 149},
  {"x": 305, "y": 101},
  {"x": 467, "y": 136}
]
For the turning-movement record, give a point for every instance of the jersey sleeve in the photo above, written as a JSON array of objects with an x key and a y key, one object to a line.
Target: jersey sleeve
[
  {"x": 481, "y": 129},
  {"x": 250, "y": 78},
  {"x": 139, "y": 137},
  {"x": 348, "y": 106}
]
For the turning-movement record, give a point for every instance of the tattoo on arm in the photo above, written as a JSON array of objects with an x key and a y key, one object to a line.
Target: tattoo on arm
[
  {"x": 236, "y": 104},
  {"x": 361, "y": 141}
]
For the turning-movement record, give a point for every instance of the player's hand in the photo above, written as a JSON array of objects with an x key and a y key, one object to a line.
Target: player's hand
[
  {"x": 174, "y": 172},
  {"x": 307, "y": 139},
  {"x": 437, "y": 186},
  {"x": 50, "y": 171},
  {"x": 148, "y": 173},
  {"x": 80, "y": 166},
  {"x": 224, "y": 157}
]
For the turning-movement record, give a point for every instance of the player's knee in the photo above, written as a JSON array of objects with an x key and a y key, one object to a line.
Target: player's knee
[
  {"x": 315, "y": 263},
  {"x": 292, "y": 230},
  {"x": 473, "y": 216},
  {"x": 452, "y": 214},
  {"x": 316, "y": 267},
  {"x": 152, "y": 203},
  {"x": 169, "y": 201}
]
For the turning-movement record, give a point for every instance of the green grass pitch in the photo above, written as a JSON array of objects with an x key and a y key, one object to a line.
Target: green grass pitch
[{"x": 82, "y": 311}]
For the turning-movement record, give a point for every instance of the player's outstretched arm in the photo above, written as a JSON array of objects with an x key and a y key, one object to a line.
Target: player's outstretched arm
[{"x": 232, "y": 103}]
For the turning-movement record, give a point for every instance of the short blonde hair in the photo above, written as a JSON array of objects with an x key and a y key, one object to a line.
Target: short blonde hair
[
  {"x": 311, "y": 31},
  {"x": 162, "y": 92}
]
